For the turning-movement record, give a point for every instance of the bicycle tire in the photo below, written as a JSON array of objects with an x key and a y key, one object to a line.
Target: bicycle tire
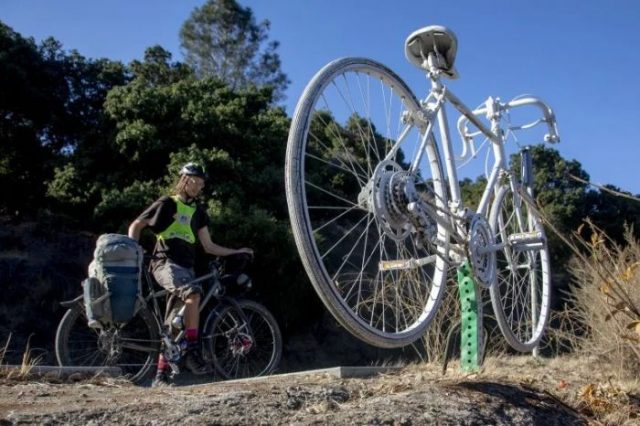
[
  {"x": 226, "y": 345},
  {"x": 522, "y": 292},
  {"x": 384, "y": 308},
  {"x": 134, "y": 346}
]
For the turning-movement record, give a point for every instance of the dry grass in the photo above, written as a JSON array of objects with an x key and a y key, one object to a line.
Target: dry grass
[
  {"x": 606, "y": 301},
  {"x": 447, "y": 316},
  {"x": 599, "y": 328},
  {"x": 4, "y": 350},
  {"x": 25, "y": 371},
  {"x": 580, "y": 381},
  {"x": 26, "y": 366}
]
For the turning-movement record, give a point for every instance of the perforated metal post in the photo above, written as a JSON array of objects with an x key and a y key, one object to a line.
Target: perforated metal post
[{"x": 471, "y": 345}]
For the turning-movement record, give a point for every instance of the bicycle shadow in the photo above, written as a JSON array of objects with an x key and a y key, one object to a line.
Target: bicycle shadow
[{"x": 541, "y": 407}]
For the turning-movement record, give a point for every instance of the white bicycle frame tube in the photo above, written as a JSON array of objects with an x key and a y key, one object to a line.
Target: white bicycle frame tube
[
  {"x": 492, "y": 110},
  {"x": 438, "y": 91}
]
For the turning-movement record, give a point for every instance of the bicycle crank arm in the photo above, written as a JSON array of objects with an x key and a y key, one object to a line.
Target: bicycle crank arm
[
  {"x": 395, "y": 265},
  {"x": 138, "y": 347}
]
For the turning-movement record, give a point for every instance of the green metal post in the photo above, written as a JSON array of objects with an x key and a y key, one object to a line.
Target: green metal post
[{"x": 471, "y": 324}]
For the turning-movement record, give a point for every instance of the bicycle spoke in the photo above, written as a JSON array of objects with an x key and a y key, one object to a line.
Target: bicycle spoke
[
  {"x": 343, "y": 144},
  {"x": 336, "y": 166},
  {"x": 355, "y": 245},
  {"x": 324, "y": 225},
  {"x": 343, "y": 166},
  {"x": 337, "y": 197},
  {"x": 363, "y": 135},
  {"x": 243, "y": 345},
  {"x": 323, "y": 255},
  {"x": 370, "y": 132}
]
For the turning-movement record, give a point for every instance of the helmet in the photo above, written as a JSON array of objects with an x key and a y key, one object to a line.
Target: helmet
[{"x": 193, "y": 169}]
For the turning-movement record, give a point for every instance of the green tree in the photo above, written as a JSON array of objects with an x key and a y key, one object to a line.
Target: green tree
[
  {"x": 83, "y": 134},
  {"x": 51, "y": 107},
  {"x": 564, "y": 199},
  {"x": 238, "y": 135},
  {"x": 471, "y": 191},
  {"x": 157, "y": 68},
  {"x": 612, "y": 213},
  {"x": 28, "y": 100},
  {"x": 222, "y": 39}
]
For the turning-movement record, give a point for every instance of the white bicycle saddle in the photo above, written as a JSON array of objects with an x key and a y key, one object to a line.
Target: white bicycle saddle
[{"x": 433, "y": 39}]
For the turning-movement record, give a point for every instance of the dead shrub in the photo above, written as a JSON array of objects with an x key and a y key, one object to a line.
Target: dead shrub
[
  {"x": 605, "y": 295},
  {"x": 29, "y": 360}
]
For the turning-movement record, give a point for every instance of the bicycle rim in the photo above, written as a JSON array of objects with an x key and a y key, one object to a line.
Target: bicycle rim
[
  {"x": 521, "y": 296},
  {"x": 133, "y": 347},
  {"x": 340, "y": 148},
  {"x": 237, "y": 350}
]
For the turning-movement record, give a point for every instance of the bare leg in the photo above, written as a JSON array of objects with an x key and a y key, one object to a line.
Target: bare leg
[
  {"x": 193, "y": 360},
  {"x": 191, "y": 312}
]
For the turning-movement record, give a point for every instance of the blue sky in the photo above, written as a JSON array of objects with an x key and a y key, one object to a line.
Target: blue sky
[{"x": 581, "y": 57}]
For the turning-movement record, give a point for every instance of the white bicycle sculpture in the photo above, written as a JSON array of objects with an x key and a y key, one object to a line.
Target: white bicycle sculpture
[{"x": 378, "y": 217}]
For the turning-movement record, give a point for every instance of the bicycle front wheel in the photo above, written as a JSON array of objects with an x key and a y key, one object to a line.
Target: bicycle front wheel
[
  {"x": 133, "y": 347},
  {"x": 521, "y": 296},
  {"x": 347, "y": 170},
  {"x": 240, "y": 346}
]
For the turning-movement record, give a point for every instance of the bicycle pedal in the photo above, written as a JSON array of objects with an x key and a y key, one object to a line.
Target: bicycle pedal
[
  {"x": 175, "y": 370},
  {"x": 527, "y": 241}
]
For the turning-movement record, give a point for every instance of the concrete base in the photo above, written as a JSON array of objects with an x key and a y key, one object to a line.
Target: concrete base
[{"x": 338, "y": 372}]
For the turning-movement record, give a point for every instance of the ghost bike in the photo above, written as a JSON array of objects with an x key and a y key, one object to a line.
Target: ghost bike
[{"x": 376, "y": 205}]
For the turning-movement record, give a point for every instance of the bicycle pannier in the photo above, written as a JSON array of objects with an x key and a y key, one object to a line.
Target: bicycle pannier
[
  {"x": 111, "y": 291},
  {"x": 96, "y": 301}
]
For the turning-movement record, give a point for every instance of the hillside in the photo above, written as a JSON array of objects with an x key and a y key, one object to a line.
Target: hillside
[{"x": 515, "y": 390}]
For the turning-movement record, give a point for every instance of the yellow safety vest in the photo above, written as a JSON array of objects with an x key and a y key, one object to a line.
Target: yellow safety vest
[{"x": 181, "y": 226}]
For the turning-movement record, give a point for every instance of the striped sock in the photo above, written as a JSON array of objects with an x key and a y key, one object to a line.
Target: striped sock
[{"x": 163, "y": 365}]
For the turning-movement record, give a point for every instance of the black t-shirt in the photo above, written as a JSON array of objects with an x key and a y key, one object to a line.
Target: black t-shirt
[{"x": 160, "y": 215}]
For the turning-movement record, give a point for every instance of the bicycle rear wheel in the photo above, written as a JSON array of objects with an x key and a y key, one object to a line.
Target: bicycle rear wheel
[
  {"x": 521, "y": 296},
  {"x": 350, "y": 141},
  {"x": 240, "y": 349},
  {"x": 133, "y": 347}
]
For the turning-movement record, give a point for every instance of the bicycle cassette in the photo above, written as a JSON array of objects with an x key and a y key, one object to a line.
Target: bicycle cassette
[{"x": 391, "y": 192}]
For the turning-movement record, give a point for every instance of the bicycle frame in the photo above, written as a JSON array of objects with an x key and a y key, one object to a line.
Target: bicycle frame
[
  {"x": 214, "y": 291},
  {"x": 434, "y": 110}
]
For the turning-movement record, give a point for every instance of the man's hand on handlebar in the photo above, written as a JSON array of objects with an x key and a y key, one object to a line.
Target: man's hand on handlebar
[{"x": 244, "y": 250}]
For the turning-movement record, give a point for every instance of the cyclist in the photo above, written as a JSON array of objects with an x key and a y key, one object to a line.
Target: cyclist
[{"x": 178, "y": 222}]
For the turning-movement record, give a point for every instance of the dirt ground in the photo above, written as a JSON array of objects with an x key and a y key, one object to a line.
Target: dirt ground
[{"x": 514, "y": 390}]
